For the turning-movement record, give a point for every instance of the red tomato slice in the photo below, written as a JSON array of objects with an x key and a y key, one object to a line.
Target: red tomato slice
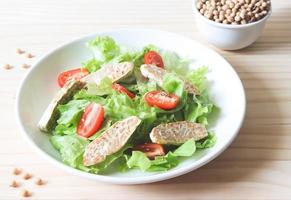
[
  {"x": 162, "y": 100},
  {"x": 71, "y": 74},
  {"x": 154, "y": 58},
  {"x": 119, "y": 88},
  {"x": 151, "y": 149},
  {"x": 91, "y": 120}
]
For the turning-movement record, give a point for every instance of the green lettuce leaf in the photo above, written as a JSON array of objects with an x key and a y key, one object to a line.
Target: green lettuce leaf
[
  {"x": 83, "y": 95},
  {"x": 161, "y": 163},
  {"x": 198, "y": 78},
  {"x": 70, "y": 115},
  {"x": 70, "y": 112},
  {"x": 104, "y": 48},
  {"x": 92, "y": 65},
  {"x": 146, "y": 87},
  {"x": 70, "y": 147},
  {"x": 173, "y": 84},
  {"x": 187, "y": 149},
  {"x": 208, "y": 142},
  {"x": 174, "y": 63},
  {"x": 128, "y": 56},
  {"x": 119, "y": 106},
  {"x": 140, "y": 160},
  {"x": 64, "y": 130},
  {"x": 103, "y": 88},
  {"x": 194, "y": 110}
]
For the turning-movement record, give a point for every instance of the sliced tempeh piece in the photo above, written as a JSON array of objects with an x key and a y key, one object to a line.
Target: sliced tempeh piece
[
  {"x": 114, "y": 71},
  {"x": 157, "y": 74},
  {"x": 177, "y": 132},
  {"x": 153, "y": 73},
  {"x": 112, "y": 140},
  {"x": 64, "y": 95}
]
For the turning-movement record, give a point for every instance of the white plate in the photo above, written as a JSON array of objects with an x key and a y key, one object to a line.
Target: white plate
[{"x": 39, "y": 86}]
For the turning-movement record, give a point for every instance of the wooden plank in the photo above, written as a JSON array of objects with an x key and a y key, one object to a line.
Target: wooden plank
[{"x": 256, "y": 166}]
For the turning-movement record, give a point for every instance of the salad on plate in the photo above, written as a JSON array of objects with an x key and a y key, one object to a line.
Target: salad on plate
[{"x": 127, "y": 108}]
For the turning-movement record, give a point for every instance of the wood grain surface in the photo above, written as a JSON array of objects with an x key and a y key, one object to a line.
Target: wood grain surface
[{"x": 256, "y": 166}]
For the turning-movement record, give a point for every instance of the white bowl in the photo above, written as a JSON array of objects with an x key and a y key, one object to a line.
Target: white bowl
[
  {"x": 39, "y": 86},
  {"x": 227, "y": 36}
]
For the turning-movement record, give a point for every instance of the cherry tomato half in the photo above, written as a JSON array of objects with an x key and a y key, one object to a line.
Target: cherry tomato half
[
  {"x": 154, "y": 58},
  {"x": 71, "y": 74},
  {"x": 119, "y": 88},
  {"x": 91, "y": 120},
  {"x": 151, "y": 149},
  {"x": 162, "y": 100}
]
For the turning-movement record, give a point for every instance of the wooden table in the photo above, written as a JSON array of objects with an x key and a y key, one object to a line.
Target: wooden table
[{"x": 256, "y": 166}]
